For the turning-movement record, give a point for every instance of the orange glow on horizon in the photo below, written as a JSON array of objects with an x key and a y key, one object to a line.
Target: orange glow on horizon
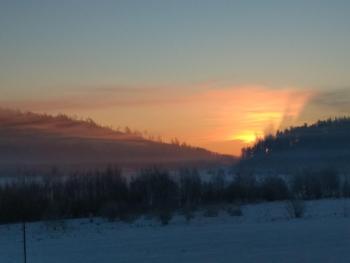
[
  {"x": 246, "y": 137},
  {"x": 222, "y": 119},
  {"x": 244, "y": 114}
]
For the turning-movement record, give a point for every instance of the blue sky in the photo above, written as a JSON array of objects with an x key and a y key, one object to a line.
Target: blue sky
[{"x": 62, "y": 44}]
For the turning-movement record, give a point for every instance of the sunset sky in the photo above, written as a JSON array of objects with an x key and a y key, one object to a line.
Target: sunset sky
[{"x": 216, "y": 74}]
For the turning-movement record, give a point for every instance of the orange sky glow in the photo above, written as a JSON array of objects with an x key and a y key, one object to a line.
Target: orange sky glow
[
  {"x": 220, "y": 119},
  {"x": 243, "y": 114}
]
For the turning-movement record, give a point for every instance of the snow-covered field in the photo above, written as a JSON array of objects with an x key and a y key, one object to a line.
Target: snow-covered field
[{"x": 263, "y": 234}]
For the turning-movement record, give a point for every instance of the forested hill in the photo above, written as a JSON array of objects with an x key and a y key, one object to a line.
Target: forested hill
[
  {"x": 324, "y": 143},
  {"x": 41, "y": 139}
]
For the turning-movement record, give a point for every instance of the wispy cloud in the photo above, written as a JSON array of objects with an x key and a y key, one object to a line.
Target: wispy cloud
[
  {"x": 327, "y": 103},
  {"x": 337, "y": 100},
  {"x": 99, "y": 98}
]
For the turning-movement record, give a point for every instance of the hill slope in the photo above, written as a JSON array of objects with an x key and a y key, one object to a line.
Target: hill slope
[
  {"x": 38, "y": 139},
  {"x": 325, "y": 143}
]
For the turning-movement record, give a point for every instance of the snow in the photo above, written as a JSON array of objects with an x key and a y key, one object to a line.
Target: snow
[{"x": 264, "y": 233}]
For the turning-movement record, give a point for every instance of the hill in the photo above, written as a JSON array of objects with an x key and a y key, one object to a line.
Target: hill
[
  {"x": 324, "y": 143},
  {"x": 41, "y": 139}
]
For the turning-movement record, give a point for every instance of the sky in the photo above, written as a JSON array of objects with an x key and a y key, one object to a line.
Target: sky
[{"x": 216, "y": 74}]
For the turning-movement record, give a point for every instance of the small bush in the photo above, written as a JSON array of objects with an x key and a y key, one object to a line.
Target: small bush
[
  {"x": 296, "y": 208},
  {"x": 165, "y": 216},
  {"x": 188, "y": 212}
]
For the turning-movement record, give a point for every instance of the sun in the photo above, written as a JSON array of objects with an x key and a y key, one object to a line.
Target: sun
[{"x": 246, "y": 137}]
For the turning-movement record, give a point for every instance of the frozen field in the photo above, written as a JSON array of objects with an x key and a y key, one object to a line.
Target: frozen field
[{"x": 263, "y": 234}]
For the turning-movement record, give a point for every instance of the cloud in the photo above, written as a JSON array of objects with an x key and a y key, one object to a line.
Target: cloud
[
  {"x": 337, "y": 100},
  {"x": 327, "y": 103},
  {"x": 120, "y": 89},
  {"x": 98, "y": 98}
]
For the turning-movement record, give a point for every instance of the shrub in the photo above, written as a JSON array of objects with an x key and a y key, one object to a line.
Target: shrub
[
  {"x": 165, "y": 215},
  {"x": 188, "y": 212},
  {"x": 296, "y": 208}
]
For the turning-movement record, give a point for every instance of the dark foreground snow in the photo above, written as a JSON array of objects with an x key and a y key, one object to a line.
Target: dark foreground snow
[{"x": 263, "y": 234}]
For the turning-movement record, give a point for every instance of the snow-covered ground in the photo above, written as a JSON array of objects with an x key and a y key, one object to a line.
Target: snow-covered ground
[{"x": 263, "y": 234}]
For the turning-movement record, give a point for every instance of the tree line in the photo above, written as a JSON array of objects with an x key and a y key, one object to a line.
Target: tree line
[{"x": 153, "y": 191}]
